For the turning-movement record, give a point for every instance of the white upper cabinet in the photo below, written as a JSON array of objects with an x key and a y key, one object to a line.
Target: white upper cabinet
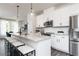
[
  {"x": 60, "y": 20},
  {"x": 40, "y": 20},
  {"x": 46, "y": 16},
  {"x": 60, "y": 17}
]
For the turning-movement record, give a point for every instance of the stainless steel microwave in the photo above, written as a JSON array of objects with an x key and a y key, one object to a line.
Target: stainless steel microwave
[{"x": 48, "y": 23}]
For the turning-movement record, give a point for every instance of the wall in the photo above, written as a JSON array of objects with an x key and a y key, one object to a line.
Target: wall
[
  {"x": 10, "y": 11},
  {"x": 22, "y": 23}
]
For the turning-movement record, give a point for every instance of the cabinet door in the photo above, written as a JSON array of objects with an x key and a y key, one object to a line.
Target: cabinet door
[
  {"x": 40, "y": 21},
  {"x": 56, "y": 22},
  {"x": 61, "y": 20},
  {"x": 57, "y": 43},
  {"x": 64, "y": 20},
  {"x": 64, "y": 43},
  {"x": 53, "y": 41},
  {"x": 61, "y": 43}
]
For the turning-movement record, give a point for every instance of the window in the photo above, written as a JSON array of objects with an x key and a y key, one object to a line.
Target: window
[{"x": 7, "y": 26}]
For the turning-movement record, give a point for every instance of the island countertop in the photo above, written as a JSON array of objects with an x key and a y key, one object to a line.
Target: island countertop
[
  {"x": 32, "y": 37},
  {"x": 41, "y": 44}
]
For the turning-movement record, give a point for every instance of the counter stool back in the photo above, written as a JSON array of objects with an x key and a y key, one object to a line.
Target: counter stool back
[{"x": 27, "y": 50}]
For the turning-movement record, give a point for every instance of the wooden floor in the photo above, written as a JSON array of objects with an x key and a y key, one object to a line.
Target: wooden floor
[{"x": 55, "y": 52}]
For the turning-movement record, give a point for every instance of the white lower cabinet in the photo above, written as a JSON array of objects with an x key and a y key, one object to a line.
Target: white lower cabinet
[
  {"x": 53, "y": 41},
  {"x": 65, "y": 44},
  {"x": 60, "y": 43}
]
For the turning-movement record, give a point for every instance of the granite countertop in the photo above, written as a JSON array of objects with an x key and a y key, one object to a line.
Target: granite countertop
[
  {"x": 14, "y": 42},
  {"x": 10, "y": 39},
  {"x": 34, "y": 37}
]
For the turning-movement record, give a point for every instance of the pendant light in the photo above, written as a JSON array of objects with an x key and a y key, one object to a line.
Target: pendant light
[
  {"x": 17, "y": 11},
  {"x": 32, "y": 10}
]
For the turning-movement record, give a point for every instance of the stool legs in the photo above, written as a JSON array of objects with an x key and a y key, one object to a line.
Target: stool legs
[{"x": 34, "y": 53}]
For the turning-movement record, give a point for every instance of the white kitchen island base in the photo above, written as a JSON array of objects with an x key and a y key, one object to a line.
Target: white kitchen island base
[
  {"x": 42, "y": 44},
  {"x": 43, "y": 48}
]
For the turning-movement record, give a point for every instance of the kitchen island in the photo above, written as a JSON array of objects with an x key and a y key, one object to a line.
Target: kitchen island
[{"x": 41, "y": 44}]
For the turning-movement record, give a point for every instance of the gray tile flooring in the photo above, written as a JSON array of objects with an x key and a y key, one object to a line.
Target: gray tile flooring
[{"x": 55, "y": 52}]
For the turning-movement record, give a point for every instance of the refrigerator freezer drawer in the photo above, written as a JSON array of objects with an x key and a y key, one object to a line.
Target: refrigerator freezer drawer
[{"x": 74, "y": 48}]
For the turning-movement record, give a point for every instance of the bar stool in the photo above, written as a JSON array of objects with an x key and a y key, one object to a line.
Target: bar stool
[
  {"x": 10, "y": 39},
  {"x": 26, "y": 50},
  {"x": 15, "y": 46},
  {"x": 18, "y": 44}
]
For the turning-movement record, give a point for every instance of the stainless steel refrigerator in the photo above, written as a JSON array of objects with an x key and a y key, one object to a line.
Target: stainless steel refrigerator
[{"x": 74, "y": 35}]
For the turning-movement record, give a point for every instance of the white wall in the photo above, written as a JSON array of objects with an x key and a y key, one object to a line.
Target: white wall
[
  {"x": 22, "y": 23},
  {"x": 10, "y": 11}
]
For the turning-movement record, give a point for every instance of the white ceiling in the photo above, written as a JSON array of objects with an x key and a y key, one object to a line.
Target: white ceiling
[{"x": 9, "y": 10}]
